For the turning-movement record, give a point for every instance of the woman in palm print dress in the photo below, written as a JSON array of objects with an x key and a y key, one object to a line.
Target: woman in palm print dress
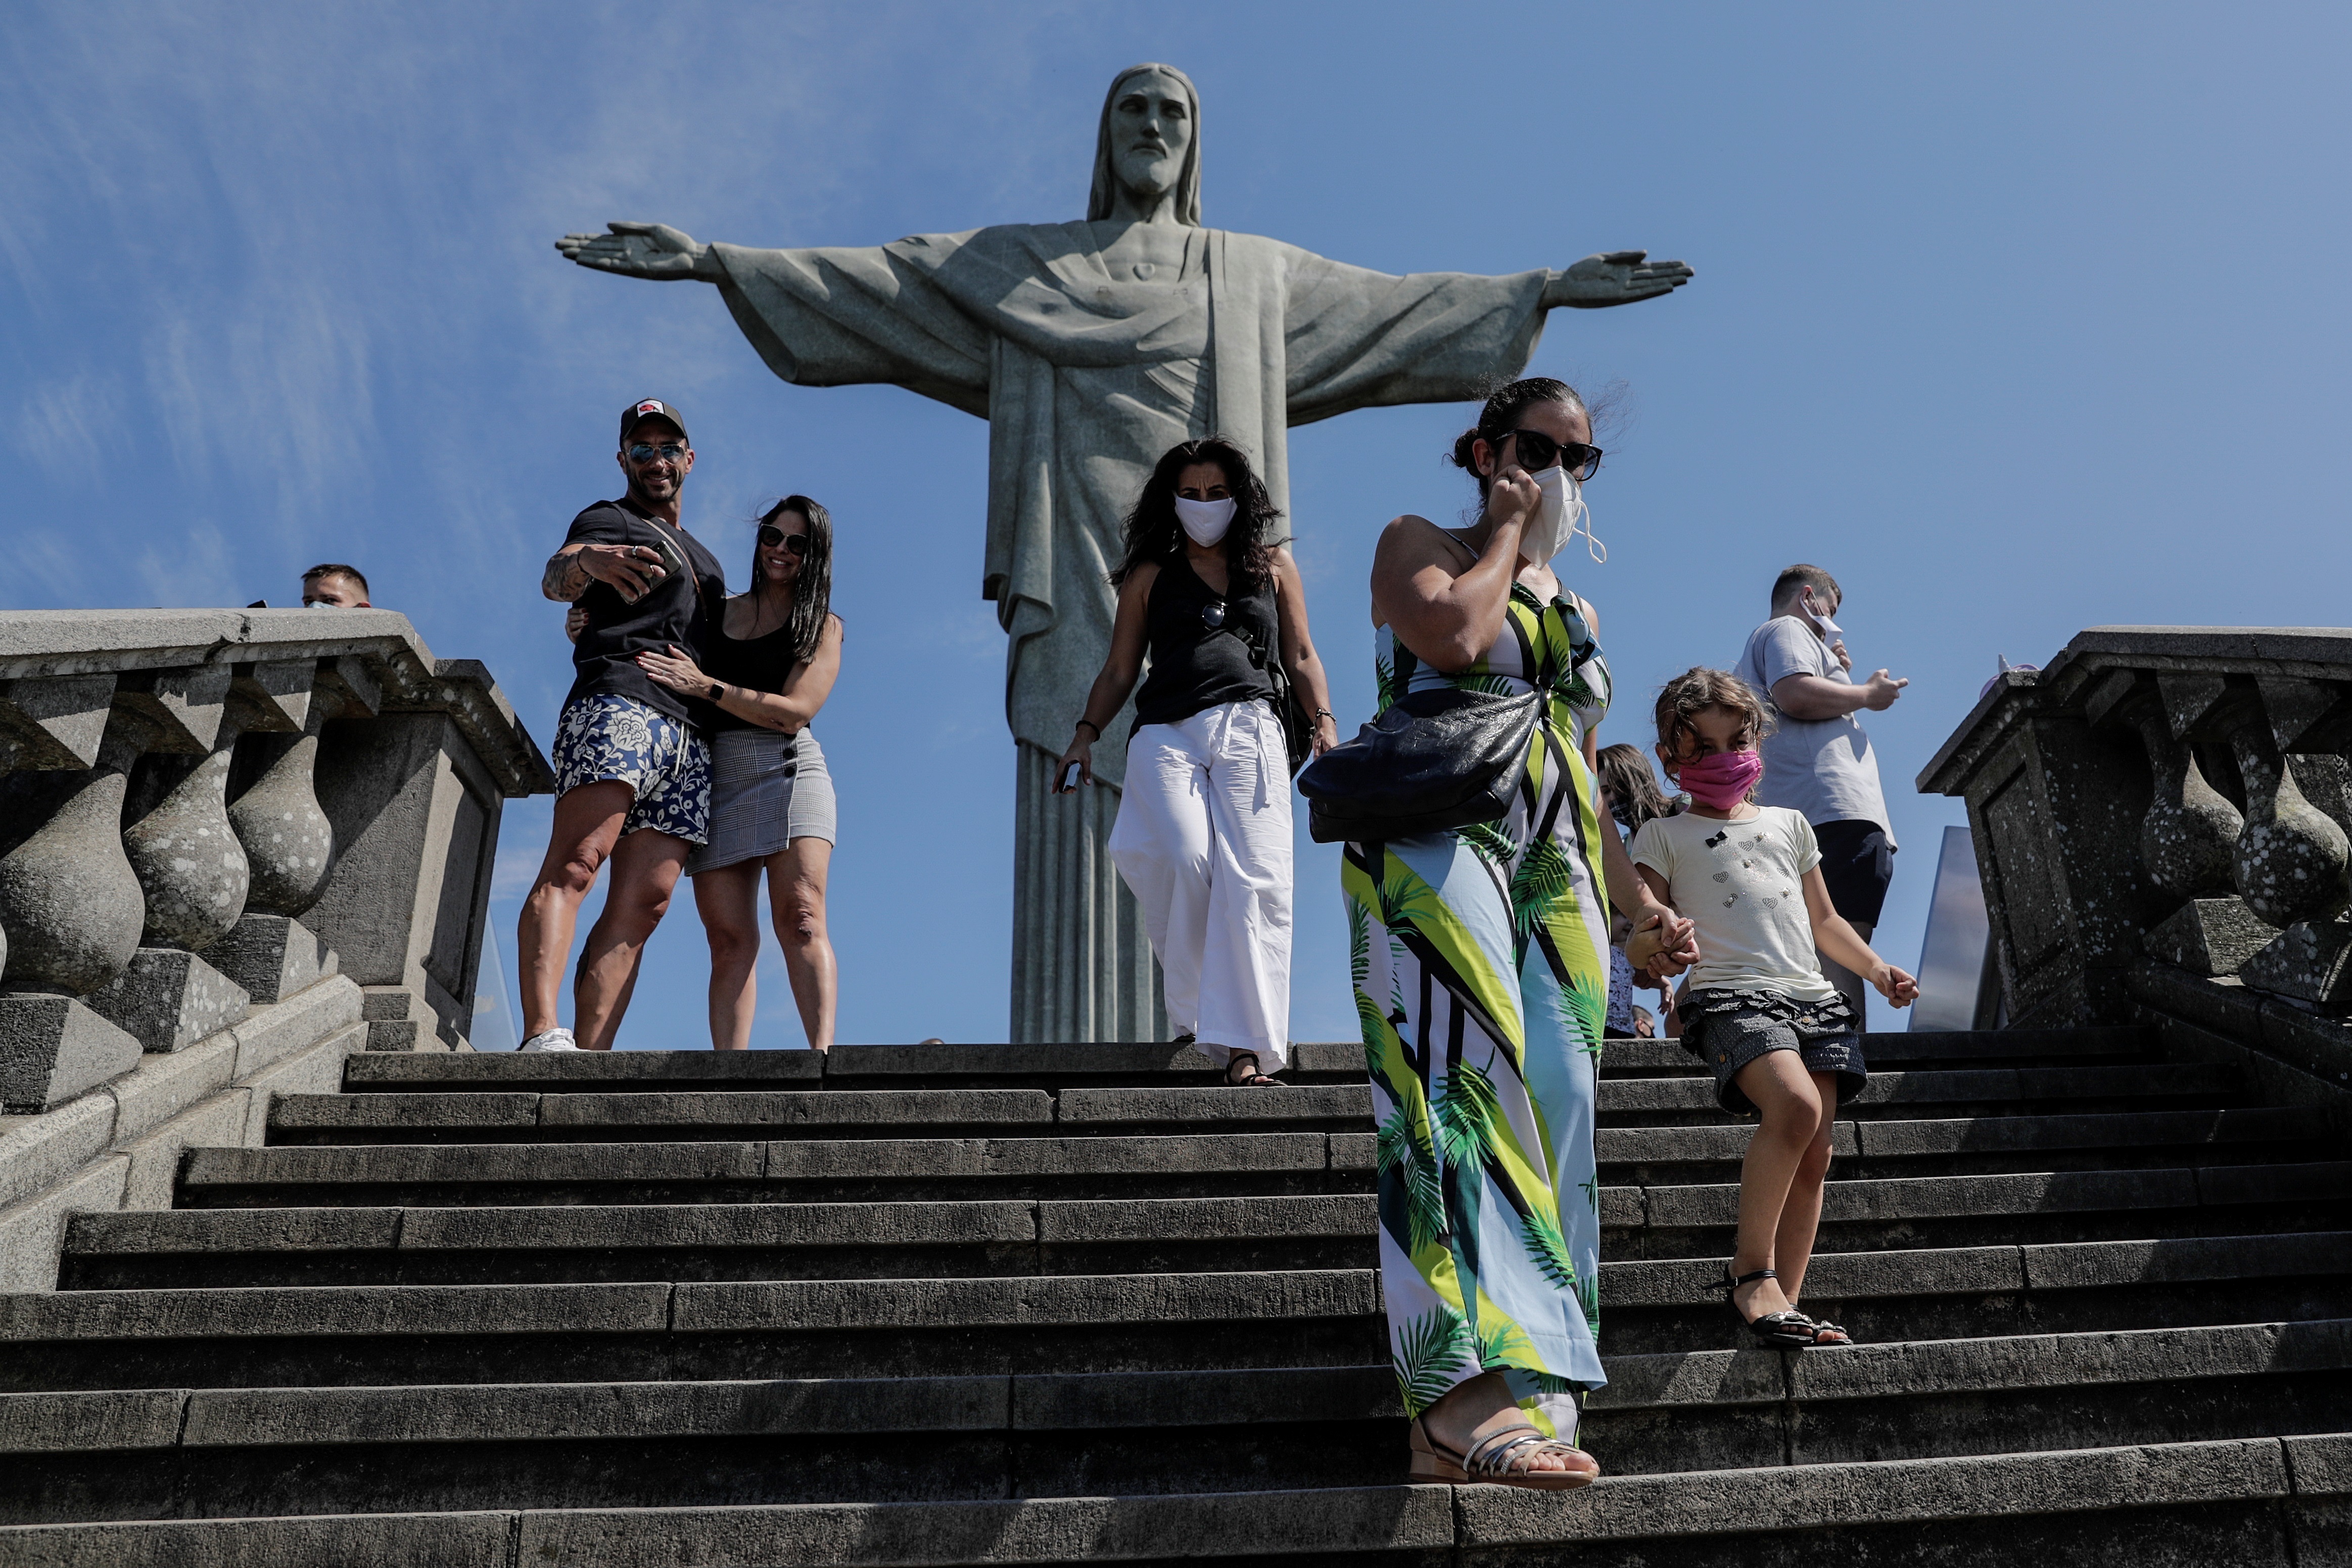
[{"x": 1482, "y": 976}]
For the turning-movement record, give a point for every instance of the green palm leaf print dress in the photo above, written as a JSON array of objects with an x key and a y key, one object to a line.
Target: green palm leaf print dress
[{"x": 1481, "y": 962}]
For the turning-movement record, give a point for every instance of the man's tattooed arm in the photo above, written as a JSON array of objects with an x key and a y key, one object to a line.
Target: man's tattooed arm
[{"x": 566, "y": 577}]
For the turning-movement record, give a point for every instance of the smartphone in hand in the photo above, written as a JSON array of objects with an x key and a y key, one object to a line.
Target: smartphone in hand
[{"x": 1068, "y": 781}]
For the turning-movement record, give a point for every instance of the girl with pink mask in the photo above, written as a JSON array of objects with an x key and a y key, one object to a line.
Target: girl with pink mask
[{"x": 1784, "y": 1046}]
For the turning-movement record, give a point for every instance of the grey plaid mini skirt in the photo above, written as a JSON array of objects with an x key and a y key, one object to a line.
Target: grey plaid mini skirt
[{"x": 766, "y": 789}]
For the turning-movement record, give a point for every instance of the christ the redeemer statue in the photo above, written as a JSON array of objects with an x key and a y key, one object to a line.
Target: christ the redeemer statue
[{"x": 1090, "y": 348}]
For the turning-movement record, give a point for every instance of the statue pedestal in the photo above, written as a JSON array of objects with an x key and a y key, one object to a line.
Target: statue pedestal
[{"x": 1082, "y": 966}]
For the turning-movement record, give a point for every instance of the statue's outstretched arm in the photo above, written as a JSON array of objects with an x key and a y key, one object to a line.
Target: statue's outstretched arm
[
  {"x": 1617, "y": 277},
  {"x": 646, "y": 250}
]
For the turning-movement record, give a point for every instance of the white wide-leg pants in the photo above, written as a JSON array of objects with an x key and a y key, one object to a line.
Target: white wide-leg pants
[{"x": 1204, "y": 841}]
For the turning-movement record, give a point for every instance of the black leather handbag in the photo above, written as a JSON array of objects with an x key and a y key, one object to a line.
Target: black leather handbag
[{"x": 1433, "y": 759}]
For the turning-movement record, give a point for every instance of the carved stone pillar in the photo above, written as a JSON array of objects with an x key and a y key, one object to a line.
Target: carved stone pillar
[
  {"x": 72, "y": 911},
  {"x": 273, "y": 805},
  {"x": 2189, "y": 844}
]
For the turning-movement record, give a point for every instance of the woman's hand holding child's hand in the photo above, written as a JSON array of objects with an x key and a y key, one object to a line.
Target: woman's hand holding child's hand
[
  {"x": 1896, "y": 987},
  {"x": 1662, "y": 942}
]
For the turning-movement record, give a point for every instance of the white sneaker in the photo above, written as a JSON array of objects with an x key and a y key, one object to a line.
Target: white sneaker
[{"x": 551, "y": 1040}]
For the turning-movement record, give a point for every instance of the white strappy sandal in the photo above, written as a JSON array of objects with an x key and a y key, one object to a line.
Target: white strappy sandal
[{"x": 1499, "y": 1458}]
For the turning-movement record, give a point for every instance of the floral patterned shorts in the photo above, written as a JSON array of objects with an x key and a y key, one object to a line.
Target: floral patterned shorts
[{"x": 606, "y": 736}]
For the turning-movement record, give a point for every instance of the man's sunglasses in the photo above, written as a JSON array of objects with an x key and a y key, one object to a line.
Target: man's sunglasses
[
  {"x": 772, "y": 536},
  {"x": 1538, "y": 452},
  {"x": 646, "y": 452}
]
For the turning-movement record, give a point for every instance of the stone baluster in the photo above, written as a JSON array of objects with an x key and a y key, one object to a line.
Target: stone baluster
[
  {"x": 289, "y": 843},
  {"x": 2311, "y": 958},
  {"x": 2189, "y": 844},
  {"x": 70, "y": 902}
]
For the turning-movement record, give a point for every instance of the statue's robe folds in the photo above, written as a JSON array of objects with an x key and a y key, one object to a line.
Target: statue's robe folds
[{"x": 1086, "y": 373}]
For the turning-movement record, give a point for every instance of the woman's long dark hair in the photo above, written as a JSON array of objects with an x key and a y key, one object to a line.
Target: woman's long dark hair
[
  {"x": 1155, "y": 537},
  {"x": 812, "y": 590}
]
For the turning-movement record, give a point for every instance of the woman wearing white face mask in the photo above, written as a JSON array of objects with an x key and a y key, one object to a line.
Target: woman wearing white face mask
[{"x": 1203, "y": 831}]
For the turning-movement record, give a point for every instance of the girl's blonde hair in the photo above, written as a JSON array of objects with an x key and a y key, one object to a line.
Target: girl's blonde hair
[{"x": 1698, "y": 689}]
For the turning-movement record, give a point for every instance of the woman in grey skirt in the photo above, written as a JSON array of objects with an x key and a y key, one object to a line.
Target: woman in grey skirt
[{"x": 770, "y": 663}]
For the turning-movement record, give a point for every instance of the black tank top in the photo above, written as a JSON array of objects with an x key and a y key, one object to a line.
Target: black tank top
[
  {"x": 1195, "y": 666},
  {"x": 755, "y": 664}
]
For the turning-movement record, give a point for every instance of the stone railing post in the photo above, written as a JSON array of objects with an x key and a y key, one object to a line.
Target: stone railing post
[
  {"x": 170, "y": 803},
  {"x": 2229, "y": 745}
]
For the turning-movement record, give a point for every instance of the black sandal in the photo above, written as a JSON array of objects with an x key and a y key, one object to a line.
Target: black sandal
[
  {"x": 1785, "y": 1330},
  {"x": 1253, "y": 1079},
  {"x": 1823, "y": 1329}
]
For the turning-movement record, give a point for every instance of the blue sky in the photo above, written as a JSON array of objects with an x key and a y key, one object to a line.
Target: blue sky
[{"x": 2018, "y": 318}]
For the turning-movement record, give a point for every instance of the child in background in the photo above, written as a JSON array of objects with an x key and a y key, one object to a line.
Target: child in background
[
  {"x": 1629, "y": 794},
  {"x": 1784, "y": 1044}
]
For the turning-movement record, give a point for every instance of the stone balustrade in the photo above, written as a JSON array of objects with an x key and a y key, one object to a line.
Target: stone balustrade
[
  {"x": 2162, "y": 819},
  {"x": 202, "y": 811}
]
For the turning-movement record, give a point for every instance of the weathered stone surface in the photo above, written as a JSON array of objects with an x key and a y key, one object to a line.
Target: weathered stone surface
[
  {"x": 1152, "y": 1219},
  {"x": 2209, "y": 935},
  {"x": 347, "y": 1541},
  {"x": 40, "y": 1150},
  {"x": 334, "y": 1309},
  {"x": 62, "y": 1422},
  {"x": 167, "y": 999},
  {"x": 161, "y": 1086},
  {"x": 1041, "y": 1529},
  {"x": 1053, "y": 1299},
  {"x": 510, "y": 1412},
  {"x": 313, "y": 1071},
  {"x": 69, "y": 904},
  {"x": 847, "y": 1108},
  {"x": 318, "y": 1113},
  {"x": 407, "y": 1165},
  {"x": 588, "y": 1069},
  {"x": 239, "y": 1230},
  {"x": 271, "y": 956},
  {"x": 296, "y": 1021},
  {"x": 53, "y": 1048},
  {"x": 2309, "y": 961},
  {"x": 2186, "y": 1258},
  {"x": 155, "y": 1157},
  {"x": 1717, "y": 1377},
  {"x": 1126, "y": 1400},
  {"x": 721, "y": 1225},
  {"x": 29, "y": 1231},
  {"x": 1112, "y": 1106}
]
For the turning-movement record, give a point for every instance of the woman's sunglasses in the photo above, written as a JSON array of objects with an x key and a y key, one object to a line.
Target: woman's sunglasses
[
  {"x": 1538, "y": 452},
  {"x": 772, "y": 536}
]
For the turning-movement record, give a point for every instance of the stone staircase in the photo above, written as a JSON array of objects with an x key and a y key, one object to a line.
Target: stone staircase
[{"x": 1032, "y": 1304}]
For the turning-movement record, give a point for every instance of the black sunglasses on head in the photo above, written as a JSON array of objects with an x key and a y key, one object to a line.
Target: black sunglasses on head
[
  {"x": 772, "y": 536},
  {"x": 1538, "y": 452}
]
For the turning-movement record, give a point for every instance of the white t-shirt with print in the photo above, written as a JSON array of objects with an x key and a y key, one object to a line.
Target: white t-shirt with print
[{"x": 1741, "y": 884}]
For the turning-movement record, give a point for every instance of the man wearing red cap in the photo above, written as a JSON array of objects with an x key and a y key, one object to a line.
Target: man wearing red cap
[{"x": 631, "y": 774}]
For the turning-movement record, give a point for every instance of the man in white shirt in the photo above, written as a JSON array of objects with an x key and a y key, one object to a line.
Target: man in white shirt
[{"x": 1819, "y": 761}]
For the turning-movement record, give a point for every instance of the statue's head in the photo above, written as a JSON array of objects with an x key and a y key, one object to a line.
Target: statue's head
[{"x": 1148, "y": 143}]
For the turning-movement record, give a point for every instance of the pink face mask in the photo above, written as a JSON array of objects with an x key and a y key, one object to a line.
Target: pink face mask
[{"x": 1722, "y": 781}]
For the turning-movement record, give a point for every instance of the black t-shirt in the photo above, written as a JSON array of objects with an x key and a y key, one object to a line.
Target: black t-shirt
[
  {"x": 755, "y": 664},
  {"x": 617, "y": 631}
]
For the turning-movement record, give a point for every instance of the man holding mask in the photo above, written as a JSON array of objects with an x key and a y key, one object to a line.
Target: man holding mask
[
  {"x": 1818, "y": 760},
  {"x": 632, "y": 776}
]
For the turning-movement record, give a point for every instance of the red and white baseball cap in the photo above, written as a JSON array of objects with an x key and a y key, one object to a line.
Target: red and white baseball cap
[{"x": 637, "y": 413}]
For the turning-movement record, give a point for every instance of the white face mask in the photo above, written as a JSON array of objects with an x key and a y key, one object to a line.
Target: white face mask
[
  {"x": 1205, "y": 521},
  {"x": 1559, "y": 518},
  {"x": 1820, "y": 620}
]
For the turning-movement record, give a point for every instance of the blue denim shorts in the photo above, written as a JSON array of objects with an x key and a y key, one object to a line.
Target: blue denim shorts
[
  {"x": 1728, "y": 1029},
  {"x": 606, "y": 736}
]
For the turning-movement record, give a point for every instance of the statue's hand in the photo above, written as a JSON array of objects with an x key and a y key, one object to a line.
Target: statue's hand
[
  {"x": 1617, "y": 278},
  {"x": 642, "y": 250}
]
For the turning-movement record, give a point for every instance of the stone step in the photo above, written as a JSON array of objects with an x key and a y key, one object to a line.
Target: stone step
[
  {"x": 192, "y": 1248},
  {"x": 128, "y": 1454},
  {"x": 2264, "y": 1502},
  {"x": 588, "y": 1116},
  {"x": 1087, "y": 1066},
  {"x": 580, "y": 1116},
  {"x": 1165, "y": 1166},
  {"x": 1975, "y": 1145},
  {"x": 634, "y": 1332},
  {"x": 884, "y": 1169},
  {"x": 578, "y": 1243}
]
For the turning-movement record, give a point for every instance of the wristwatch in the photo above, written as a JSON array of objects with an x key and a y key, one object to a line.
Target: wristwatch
[{"x": 717, "y": 691}]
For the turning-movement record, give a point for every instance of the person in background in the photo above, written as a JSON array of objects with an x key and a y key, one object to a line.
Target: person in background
[
  {"x": 766, "y": 669},
  {"x": 1631, "y": 797},
  {"x": 632, "y": 776},
  {"x": 332, "y": 585},
  {"x": 1645, "y": 1026},
  {"x": 1203, "y": 838},
  {"x": 1817, "y": 759}
]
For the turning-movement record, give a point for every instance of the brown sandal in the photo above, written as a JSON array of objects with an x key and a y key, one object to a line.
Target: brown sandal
[{"x": 1499, "y": 1458}]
